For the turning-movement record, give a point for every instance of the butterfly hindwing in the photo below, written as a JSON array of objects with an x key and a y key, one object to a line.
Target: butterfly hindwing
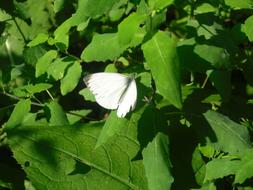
[{"x": 128, "y": 100}]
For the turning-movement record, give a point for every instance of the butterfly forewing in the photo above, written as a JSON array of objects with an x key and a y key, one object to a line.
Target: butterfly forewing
[{"x": 107, "y": 88}]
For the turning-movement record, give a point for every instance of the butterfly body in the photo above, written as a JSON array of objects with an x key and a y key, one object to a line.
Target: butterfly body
[{"x": 113, "y": 91}]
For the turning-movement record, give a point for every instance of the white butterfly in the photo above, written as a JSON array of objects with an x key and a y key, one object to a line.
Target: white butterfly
[{"x": 113, "y": 91}]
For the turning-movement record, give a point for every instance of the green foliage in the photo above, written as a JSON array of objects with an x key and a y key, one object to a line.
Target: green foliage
[{"x": 192, "y": 124}]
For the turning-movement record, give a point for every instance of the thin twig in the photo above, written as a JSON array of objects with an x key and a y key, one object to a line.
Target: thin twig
[
  {"x": 18, "y": 98},
  {"x": 205, "y": 81},
  {"x": 50, "y": 95}
]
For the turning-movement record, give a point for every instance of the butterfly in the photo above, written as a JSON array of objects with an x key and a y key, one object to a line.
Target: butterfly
[{"x": 113, "y": 91}]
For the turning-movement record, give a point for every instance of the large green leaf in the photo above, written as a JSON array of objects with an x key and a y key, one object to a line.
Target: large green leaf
[
  {"x": 64, "y": 158},
  {"x": 71, "y": 79},
  {"x": 245, "y": 169},
  {"x": 103, "y": 47},
  {"x": 114, "y": 124},
  {"x": 96, "y": 8},
  {"x": 216, "y": 56},
  {"x": 231, "y": 137},
  {"x": 161, "y": 56},
  {"x": 248, "y": 28},
  {"x": 226, "y": 167},
  {"x": 222, "y": 82},
  {"x": 21, "y": 109},
  {"x": 156, "y": 163}
]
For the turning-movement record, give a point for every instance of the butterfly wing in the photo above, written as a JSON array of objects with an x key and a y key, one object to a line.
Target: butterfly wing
[
  {"x": 128, "y": 99},
  {"x": 107, "y": 88}
]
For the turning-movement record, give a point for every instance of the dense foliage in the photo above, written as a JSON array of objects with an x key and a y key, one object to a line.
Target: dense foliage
[{"x": 192, "y": 125}]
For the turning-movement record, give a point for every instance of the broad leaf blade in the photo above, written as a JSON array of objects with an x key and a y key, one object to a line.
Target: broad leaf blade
[
  {"x": 245, "y": 169},
  {"x": 70, "y": 161},
  {"x": 226, "y": 167},
  {"x": 161, "y": 56},
  {"x": 156, "y": 163},
  {"x": 231, "y": 137}
]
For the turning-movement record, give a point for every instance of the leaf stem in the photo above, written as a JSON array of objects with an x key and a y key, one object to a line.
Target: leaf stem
[
  {"x": 205, "y": 81},
  {"x": 50, "y": 95}
]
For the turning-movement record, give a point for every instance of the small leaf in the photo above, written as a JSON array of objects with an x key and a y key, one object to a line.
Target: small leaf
[
  {"x": 58, "y": 68},
  {"x": 77, "y": 115},
  {"x": 39, "y": 39},
  {"x": 128, "y": 27},
  {"x": 71, "y": 79},
  {"x": 245, "y": 169},
  {"x": 86, "y": 93},
  {"x": 103, "y": 47},
  {"x": 248, "y": 28},
  {"x": 37, "y": 88},
  {"x": 161, "y": 56},
  {"x": 44, "y": 62},
  {"x": 231, "y": 137},
  {"x": 156, "y": 163},
  {"x": 226, "y": 167},
  {"x": 55, "y": 114},
  {"x": 21, "y": 109}
]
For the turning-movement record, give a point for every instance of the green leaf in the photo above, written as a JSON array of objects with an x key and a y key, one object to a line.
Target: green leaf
[
  {"x": 101, "y": 7},
  {"x": 103, "y": 47},
  {"x": 58, "y": 68},
  {"x": 86, "y": 93},
  {"x": 58, "y": 5},
  {"x": 156, "y": 163},
  {"x": 245, "y": 169},
  {"x": 216, "y": 56},
  {"x": 231, "y": 137},
  {"x": 40, "y": 38},
  {"x": 115, "y": 124},
  {"x": 129, "y": 27},
  {"x": 37, "y": 88},
  {"x": 226, "y": 167},
  {"x": 21, "y": 109},
  {"x": 198, "y": 166},
  {"x": 56, "y": 114},
  {"x": 248, "y": 28},
  {"x": 76, "y": 115},
  {"x": 71, "y": 79},
  {"x": 161, "y": 56},
  {"x": 222, "y": 82},
  {"x": 70, "y": 160},
  {"x": 44, "y": 62},
  {"x": 112, "y": 125},
  {"x": 159, "y": 4},
  {"x": 246, "y": 4}
]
